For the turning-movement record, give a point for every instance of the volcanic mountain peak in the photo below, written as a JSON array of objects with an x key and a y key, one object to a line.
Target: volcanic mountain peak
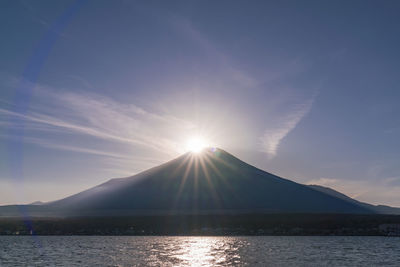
[{"x": 211, "y": 181}]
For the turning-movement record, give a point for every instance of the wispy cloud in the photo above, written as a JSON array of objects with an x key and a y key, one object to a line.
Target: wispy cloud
[
  {"x": 237, "y": 77},
  {"x": 100, "y": 117},
  {"x": 282, "y": 125},
  {"x": 98, "y": 152}
]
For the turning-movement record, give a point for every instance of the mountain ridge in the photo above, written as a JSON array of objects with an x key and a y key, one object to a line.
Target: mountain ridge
[{"x": 211, "y": 182}]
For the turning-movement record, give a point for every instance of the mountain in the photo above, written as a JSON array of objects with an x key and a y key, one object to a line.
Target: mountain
[
  {"x": 381, "y": 209},
  {"x": 210, "y": 182}
]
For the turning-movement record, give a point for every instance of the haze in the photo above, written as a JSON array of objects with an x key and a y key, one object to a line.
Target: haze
[{"x": 92, "y": 90}]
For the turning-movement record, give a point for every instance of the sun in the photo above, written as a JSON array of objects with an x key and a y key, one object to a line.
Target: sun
[{"x": 196, "y": 144}]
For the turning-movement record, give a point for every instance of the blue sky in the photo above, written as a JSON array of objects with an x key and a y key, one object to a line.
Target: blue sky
[{"x": 92, "y": 90}]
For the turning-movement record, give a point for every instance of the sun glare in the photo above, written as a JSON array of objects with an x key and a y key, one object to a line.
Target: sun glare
[{"x": 196, "y": 144}]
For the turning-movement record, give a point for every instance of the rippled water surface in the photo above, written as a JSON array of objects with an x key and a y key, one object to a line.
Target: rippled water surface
[{"x": 198, "y": 251}]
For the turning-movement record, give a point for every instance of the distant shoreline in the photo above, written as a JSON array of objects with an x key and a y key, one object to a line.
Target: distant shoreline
[{"x": 208, "y": 225}]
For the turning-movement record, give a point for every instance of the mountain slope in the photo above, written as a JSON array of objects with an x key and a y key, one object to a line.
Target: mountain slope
[
  {"x": 212, "y": 181},
  {"x": 382, "y": 209}
]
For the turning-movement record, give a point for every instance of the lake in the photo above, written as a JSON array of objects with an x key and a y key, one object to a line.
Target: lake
[{"x": 198, "y": 251}]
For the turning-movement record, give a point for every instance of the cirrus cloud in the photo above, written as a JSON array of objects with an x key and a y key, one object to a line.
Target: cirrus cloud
[{"x": 282, "y": 125}]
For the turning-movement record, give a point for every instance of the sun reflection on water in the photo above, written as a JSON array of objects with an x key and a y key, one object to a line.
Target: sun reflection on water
[{"x": 205, "y": 251}]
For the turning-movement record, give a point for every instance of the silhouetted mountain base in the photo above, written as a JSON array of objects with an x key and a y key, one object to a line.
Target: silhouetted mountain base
[
  {"x": 246, "y": 224},
  {"x": 210, "y": 182}
]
